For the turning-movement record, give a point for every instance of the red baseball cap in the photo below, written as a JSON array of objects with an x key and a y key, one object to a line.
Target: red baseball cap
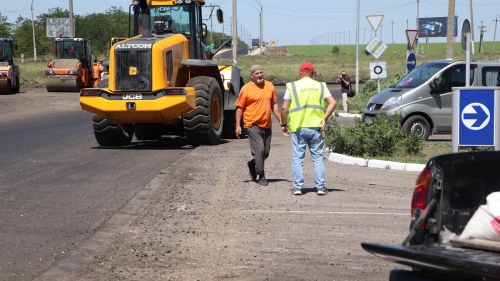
[{"x": 306, "y": 67}]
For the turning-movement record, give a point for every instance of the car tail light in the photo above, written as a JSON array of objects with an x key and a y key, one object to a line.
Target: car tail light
[{"x": 420, "y": 195}]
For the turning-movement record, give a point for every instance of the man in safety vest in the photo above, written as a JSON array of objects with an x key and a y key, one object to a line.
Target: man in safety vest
[
  {"x": 101, "y": 68},
  {"x": 303, "y": 116},
  {"x": 96, "y": 72}
]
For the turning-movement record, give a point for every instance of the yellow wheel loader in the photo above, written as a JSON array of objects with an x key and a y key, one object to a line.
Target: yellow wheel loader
[
  {"x": 71, "y": 68},
  {"x": 160, "y": 81},
  {"x": 9, "y": 71}
]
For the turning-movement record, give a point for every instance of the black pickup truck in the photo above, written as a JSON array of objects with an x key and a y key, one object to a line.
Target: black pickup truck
[{"x": 447, "y": 193}]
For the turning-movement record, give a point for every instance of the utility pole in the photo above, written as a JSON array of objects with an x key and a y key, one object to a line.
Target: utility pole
[
  {"x": 449, "y": 36},
  {"x": 235, "y": 34},
  {"x": 381, "y": 32},
  {"x": 33, "y": 27},
  {"x": 392, "y": 27},
  {"x": 495, "y": 34},
  {"x": 349, "y": 37},
  {"x": 471, "y": 21},
  {"x": 260, "y": 36},
  {"x": 407, "y": 24},
  {"x": 261, "y": 43},
  {"x": 481, "y": 35},
  {"x": 241, "y": 31},
  {"x": 364, "y": 35},
  {"x": 71, "y": 23},
  {"x": 418, "y": 8}
]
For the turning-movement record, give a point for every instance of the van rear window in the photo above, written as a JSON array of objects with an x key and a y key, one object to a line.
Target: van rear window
[{"x": 491, "y": 76}]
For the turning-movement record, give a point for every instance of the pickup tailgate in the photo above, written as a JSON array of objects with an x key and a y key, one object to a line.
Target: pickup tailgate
[{"x": 452, "y": 261}]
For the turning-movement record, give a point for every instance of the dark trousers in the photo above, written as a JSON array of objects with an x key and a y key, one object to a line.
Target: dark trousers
[{"x": 260, "y": 144}]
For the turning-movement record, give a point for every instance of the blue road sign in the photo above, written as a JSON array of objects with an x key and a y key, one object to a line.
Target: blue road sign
[
  {"x": 477, "y": 122},
  {"x": 411, "y": 61}
]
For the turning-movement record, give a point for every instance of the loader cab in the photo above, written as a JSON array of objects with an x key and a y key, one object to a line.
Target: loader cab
[
  {"x": 182, "y": 18},
  {"x": 7, "y": 50},
  {"x": 72, "y": 48}
]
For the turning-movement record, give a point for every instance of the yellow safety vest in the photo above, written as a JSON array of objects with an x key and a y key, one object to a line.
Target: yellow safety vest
[{"x": 307, "y": 104}]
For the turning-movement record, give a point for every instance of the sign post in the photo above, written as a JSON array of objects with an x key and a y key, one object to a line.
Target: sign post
[
  {"x": 465, "y": 40},
  {"x": 378, "y": 71}
]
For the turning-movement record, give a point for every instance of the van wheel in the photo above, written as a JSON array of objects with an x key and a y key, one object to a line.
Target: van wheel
[{"x": 417, "y": 125}]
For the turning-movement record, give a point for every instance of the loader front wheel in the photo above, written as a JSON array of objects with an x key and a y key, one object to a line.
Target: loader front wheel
[
  {"x": 109, "y": 133},
  {"x": 203, "y": 125}
]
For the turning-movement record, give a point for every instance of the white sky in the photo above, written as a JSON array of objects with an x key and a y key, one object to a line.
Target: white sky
[{"x": 298, "y": 22}]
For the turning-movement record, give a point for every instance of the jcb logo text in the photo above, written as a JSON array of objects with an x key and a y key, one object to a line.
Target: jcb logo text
[{"x": 132, "y": 97}]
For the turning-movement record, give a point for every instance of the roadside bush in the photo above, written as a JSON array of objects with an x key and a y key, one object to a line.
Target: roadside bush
[
  {"x": 335, "y": 50},
  {"x": 383, "y": 138}
]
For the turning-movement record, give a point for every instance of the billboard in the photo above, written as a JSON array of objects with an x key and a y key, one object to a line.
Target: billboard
[
  {"x": 435, "y": 27},
  {"x": 58, "y": 27}
]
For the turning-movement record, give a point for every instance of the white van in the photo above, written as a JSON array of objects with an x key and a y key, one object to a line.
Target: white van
[{"x": 423, "y": 96}]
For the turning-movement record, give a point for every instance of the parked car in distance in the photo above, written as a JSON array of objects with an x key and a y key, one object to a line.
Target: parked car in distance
[{"x": 424, "y": 96}]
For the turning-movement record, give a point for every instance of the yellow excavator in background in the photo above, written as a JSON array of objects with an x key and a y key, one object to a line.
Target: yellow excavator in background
[
  {"x": 9, "y": 71},
  {"x": 71, "y": 68},
  {"x": 161, "y": 82}
]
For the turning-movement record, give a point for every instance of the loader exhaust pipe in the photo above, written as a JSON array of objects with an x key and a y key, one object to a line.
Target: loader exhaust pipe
[{"x": 146, "y": 19}]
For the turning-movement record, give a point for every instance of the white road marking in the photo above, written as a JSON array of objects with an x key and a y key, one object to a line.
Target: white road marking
[{"x": 339, "y": 213}]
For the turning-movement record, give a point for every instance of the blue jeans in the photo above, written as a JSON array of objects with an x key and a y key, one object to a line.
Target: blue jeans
[{"x": 313, "y": 138}]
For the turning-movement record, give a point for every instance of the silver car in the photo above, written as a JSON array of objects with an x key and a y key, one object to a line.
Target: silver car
[{"x": 424, "y": 96}]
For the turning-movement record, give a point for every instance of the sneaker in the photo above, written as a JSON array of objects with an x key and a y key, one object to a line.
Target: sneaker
[
  {"x": 321, "y": 191},
  {"x": 263, "y": 181},
  {"x": 297, "y": 191},
  {"x": 251, "y": 169}
]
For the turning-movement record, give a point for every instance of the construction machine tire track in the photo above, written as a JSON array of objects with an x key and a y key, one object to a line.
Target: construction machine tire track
[
  {"x": 203, "y": 125},
  {"x": 109, "y": 133}
]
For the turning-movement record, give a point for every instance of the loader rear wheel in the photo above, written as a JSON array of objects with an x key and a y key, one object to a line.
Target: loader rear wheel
[
  {"x": 109, "y": 133},
  {"x": 203, "y": 125},
  {"x": 148, "y": 131}
]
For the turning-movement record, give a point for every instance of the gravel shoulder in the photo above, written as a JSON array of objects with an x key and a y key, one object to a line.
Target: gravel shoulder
[
  {"x": 203, "y": 219},
  {"x": 32, "y": 102}
]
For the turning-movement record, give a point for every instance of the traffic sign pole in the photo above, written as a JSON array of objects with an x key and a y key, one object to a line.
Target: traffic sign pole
[{"x": 467, "y": 61}]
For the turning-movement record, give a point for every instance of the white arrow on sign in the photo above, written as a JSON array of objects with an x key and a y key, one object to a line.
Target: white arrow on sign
[
  {"x": 411, "y": 62},
  {"x": 375, "y": 21}
]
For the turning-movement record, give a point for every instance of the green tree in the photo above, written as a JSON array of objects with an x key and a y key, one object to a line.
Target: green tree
[{"x": 5, "y": 27}]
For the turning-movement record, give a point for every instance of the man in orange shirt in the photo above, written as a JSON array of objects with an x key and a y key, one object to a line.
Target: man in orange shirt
[{"x": 255, "y": 103}]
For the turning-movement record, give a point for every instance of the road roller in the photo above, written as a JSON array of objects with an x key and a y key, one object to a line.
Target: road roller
[
  {"x": 9, "y": 71},
  {"x": 70, "y": 70}
]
